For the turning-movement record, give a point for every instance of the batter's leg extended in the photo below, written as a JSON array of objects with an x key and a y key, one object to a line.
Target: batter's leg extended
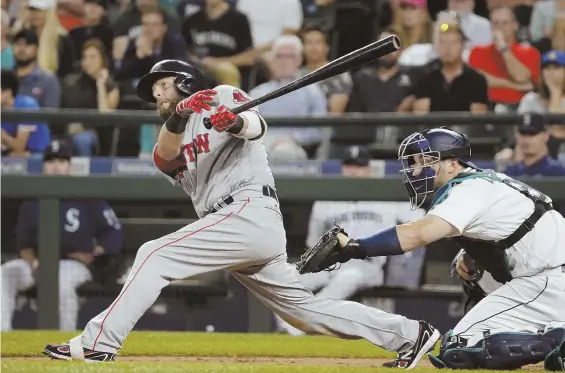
[
  {"x": 226, "y": 239},
  {"x": 278, "y": 286}
]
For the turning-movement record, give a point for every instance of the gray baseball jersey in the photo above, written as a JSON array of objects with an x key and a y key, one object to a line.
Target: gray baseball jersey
[
  {"x": 246, "y": 237},
  {"x": 219, "y": 163}
]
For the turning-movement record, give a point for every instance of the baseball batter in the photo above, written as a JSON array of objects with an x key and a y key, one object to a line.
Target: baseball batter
[
  {"x": 507, "y": 227},
  {"x": 359, "y": 219},
  {"x": 225, "y": 172}
]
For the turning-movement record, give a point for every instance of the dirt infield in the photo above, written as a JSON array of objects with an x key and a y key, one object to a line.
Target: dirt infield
[{"x": 305, "y": 361}]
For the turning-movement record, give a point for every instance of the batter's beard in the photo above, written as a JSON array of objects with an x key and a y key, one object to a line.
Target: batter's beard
[{"x": 166, "y": 113}]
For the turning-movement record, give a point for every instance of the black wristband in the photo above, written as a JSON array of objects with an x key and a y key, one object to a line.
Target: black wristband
[
  {"x": 176, "y": 124},
  {"x": 237, "y": 127}
]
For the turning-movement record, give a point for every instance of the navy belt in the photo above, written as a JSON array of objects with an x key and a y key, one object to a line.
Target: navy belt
[{"x": 267, "y": 191}]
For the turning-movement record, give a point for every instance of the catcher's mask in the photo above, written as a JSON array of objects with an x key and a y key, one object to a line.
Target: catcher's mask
[{"x": 420, "y": 151}]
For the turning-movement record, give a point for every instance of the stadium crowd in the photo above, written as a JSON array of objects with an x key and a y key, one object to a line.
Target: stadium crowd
[{"x": 90, "y": 54}]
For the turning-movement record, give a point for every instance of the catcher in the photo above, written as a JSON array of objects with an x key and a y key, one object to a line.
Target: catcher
[{"x": 506, "y": 227}]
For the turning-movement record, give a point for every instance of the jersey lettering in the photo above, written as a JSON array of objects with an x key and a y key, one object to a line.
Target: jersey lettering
[
  {"x": 239, "y": 97},
  {"x": 188, "y": 148},
  {"x": 201, "y": 143},
  {"x": 73, "y": 221}
]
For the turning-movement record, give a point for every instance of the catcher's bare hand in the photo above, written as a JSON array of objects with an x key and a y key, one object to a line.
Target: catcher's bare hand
[
  {"x": 462, "y": 269},
  {"x": 467, "y": 268}
]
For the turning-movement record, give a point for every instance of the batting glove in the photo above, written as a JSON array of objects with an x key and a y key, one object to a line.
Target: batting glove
[
  {"x": 224, "y": 119},
  {"x": 196, "y": 103}
]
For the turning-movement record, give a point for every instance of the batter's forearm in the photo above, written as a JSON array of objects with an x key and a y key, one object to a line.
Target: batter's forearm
[
  {"x": 171, "y": 137},
  {"x": 250, "y": 126}
]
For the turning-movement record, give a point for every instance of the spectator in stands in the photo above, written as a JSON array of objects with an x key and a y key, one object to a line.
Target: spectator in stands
[
  {"x": 452, "y": 85},
  {"x": 94, "y": 26},
  {"x": 21, "y": 139},
  {"x": 115, "y": 10},
  {"x": 7, "y": 50},
  {"x": 547, "y": 26},
  {"x": 476, "y": 28},
  {"x": 214, "y": 33},
  {"x": 186, "y": 8},
  {"x": 92, "y": 88},
  {"x": 284, "y": 149},
  {"x": 511, "y": 69},
  {"x": 56, "y": 51},
  {"x": 128, "y": 26},
  {"x": 550, "y": 98},
  {"x": 319, "y": 12},
  {"x": 70, "y": 13},
  {"x": 89, "y": 229},
  {"x": 420, "y": 54},
  {"x": 268, "y": 21},
  {"x": 532, "y": 149},
  {"x": 357, "y": 218},
  {"x": 414, "y": 24},
  {"x": 310, "y": 100},
  {"x": 383, "y": 87},
  {"x": 34, "y": 81},
  {"x": 316, "y": 50},
  {"x": 153, "y": 44}
]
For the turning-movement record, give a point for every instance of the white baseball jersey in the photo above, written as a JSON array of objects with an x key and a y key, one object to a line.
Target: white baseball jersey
[
  {"x": 359, "y": 219},
  {"x": 219, "y": 163},
  {"x": 490, "y": 210}
]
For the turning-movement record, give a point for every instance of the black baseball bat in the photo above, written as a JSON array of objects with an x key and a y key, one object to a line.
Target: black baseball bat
[{"x": 350, "y": 61}]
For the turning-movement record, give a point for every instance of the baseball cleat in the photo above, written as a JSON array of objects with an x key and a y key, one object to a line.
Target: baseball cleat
[
  {"x": 63, "y": 352},
  {"x": 426, "y": 341}
]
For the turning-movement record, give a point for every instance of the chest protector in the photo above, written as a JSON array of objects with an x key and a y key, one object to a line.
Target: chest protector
[{"x": 491, "y": 255}]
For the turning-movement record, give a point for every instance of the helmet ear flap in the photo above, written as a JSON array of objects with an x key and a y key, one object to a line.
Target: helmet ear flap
[{"x": 185, "y": 84}]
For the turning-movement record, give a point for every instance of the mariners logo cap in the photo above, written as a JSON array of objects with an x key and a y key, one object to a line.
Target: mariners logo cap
[
  {"x": 58, "y": 149},
  {"x": 532, "y": 124},
  {"x": 356, "y": 156}
]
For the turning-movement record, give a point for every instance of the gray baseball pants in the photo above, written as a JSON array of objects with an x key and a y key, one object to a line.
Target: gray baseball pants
[{"x": 247, "y": 238}]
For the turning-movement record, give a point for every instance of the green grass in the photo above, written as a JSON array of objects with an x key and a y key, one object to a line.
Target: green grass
[
  {"x": 22, "y": 344},
  {"x": 140, "y": 343}
]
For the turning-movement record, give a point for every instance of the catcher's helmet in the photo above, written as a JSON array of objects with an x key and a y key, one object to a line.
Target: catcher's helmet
[
  {"x": 432, "y": 146},
  {"x": 187, "y": 80}
]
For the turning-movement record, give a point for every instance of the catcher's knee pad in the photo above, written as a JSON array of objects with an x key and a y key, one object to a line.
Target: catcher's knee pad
[
  {"x": 454, "y": 354},
  {"x": 555, "y": 360},
  {"x": 502, "y": 351}
]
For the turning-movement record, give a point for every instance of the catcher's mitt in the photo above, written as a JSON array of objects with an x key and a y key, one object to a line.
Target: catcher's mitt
[
  {"x": 314, "y": 256},
  {"x": 332, "y": 248}
]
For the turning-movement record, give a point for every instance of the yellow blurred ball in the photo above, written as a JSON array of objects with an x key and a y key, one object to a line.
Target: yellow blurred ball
[{"x": 444, "y": 27}]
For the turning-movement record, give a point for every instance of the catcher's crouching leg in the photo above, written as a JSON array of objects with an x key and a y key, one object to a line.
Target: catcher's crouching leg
[{"x": 502, "y": 351}]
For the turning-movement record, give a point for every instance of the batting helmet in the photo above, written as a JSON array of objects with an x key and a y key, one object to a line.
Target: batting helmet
[
  {"x": 187, "y": 78},
  {"x": 431, "y": 146}
]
